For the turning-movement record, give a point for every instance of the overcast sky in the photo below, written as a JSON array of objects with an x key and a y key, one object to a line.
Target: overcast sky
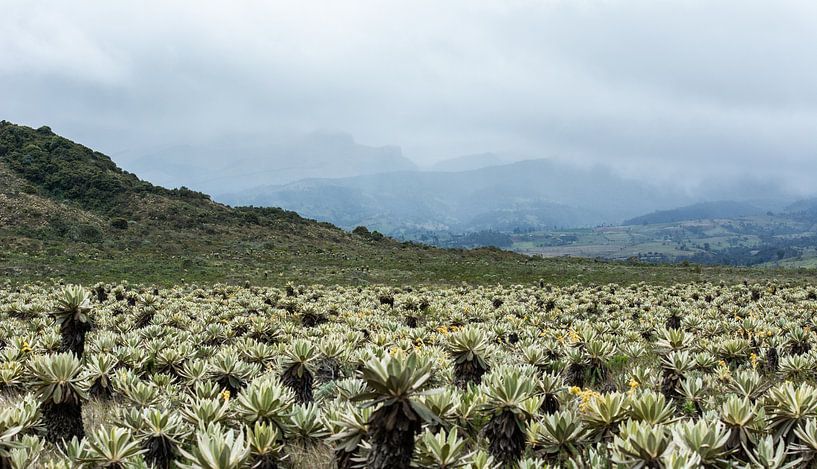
[{"x": 644, "y": 86}]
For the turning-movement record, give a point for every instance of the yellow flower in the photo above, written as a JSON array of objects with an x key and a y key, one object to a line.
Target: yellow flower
[
  {"x": 753, "y": 358},
  {"x": 225, "y": 395},
  {"x": 575, "y": 390},
  {"x": 587, "y": 397},
  {"x": 26, "y": 348},
  {"x": 723, "y": 371}
]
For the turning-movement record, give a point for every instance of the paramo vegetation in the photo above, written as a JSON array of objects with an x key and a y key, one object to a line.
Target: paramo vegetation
[{"x": 692, "y": 375}]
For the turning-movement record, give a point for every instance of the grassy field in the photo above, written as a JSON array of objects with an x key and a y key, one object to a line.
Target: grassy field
[{"x": 229, "y": 261}]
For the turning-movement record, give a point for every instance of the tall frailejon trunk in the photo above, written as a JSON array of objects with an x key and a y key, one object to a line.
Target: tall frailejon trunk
[
  {"x": 673, "y": 322},
  {"x": 772, "y": 360},
  {"x": 101, "y": 294},
  {"x": 550, "y": 404},
  {"x": 328, "y": 370},
  {"x": 144, "y": 319},
  {"x": 302, "y": 387},
  {"x": 265, "y": 462},
  {"x": 669, "y": 385},
  {"x": 468, "y": 371},
  {"x": 799, "y": 348},
  {"x": 598, "y": 371},
  {"x": 507, "y": 438},
  {"x": 160, "y": 451},
  {"x": 392, "y": 448},
  {"x": 345, "y": 459},
  {"x": 63, "y": 421},
  {"x": 735, "y": 445},
  {"x": 99, "y": 391},
  {"x": 73, "y": 338},
  {"x": 575, "y": 375}
]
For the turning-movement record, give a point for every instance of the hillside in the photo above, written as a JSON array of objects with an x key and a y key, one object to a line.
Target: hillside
[
  {"x": 69, "y": 212},
  {"x": 804, "y": 211},
  {"x": 699, "y": 211}
]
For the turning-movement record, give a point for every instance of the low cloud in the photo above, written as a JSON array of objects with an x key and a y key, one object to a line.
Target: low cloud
[{"x": 652, "y": 89}]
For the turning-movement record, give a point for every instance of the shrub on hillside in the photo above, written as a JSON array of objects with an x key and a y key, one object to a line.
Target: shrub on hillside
[{"x": 119, "y": 223}]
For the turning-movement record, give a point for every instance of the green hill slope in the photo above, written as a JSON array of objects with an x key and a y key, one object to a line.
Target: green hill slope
[
  {"x": 67, "y": 211},
  {"x": 699, "y": 211}
]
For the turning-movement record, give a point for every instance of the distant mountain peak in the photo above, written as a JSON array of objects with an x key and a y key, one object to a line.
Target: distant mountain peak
[
  {"x": 235, "y": 166},
  {"x": 474, "y": 161}
]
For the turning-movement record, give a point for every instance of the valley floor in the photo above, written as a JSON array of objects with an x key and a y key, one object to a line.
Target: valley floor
[{"x": 768, "y": 241}]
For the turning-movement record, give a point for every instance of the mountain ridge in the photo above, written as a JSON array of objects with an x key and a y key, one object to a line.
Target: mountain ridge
[
  {"x": 243, "y": 162},
  {"x": 542, "y": 192},
  {"x": 474, "y": 161}
]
